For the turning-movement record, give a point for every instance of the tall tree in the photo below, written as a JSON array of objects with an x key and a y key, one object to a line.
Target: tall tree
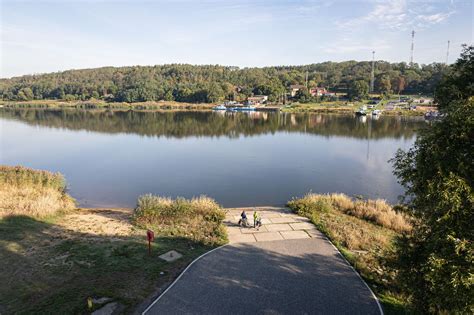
[
  {"x": 437, "y": 259},
  {"x": 358, "y": 90}
]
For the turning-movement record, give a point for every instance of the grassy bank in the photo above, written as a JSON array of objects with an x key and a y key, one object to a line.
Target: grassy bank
[
  {"x": 365, "y": 232},
  {"x": 344, "y": 108},
  {"x": 55, "y": 260},
  {"x": 98, "y": 104},
  {"x": 24, "y": 191}
]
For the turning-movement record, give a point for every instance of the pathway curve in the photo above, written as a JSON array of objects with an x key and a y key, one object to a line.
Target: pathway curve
[{"x": 287, "y": 267}]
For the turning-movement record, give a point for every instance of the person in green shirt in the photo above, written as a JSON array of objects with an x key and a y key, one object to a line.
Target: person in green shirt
[{"x": 257, "y": 220}]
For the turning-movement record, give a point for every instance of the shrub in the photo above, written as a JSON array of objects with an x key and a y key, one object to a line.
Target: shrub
[
  {"x": 199, "y": 219},
  {"x": 25, "y": 191}
]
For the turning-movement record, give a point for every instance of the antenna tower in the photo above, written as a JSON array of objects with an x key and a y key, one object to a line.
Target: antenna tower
[
  {"x": 447, "y": 53},
  {"x": 412, "y": 46},
  {"x": 372, "y": 73}
]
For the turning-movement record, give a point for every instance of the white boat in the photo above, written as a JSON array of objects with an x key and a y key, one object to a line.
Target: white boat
[
  {"x": 220, "y": 107},
  {"x": 244, "y": 108},
  {"x": 362, "y": 111},
  {"x": 376, "y": 112}
]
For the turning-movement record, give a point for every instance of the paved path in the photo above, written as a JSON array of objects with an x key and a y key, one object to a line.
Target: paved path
[
  {"x": 278, "y": 224},
  {"x": 285, "y": 276}
]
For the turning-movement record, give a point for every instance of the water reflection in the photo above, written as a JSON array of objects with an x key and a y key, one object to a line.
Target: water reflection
[
  {"x": 111, "y": 157},
  {"x": 185, "y": 124}
]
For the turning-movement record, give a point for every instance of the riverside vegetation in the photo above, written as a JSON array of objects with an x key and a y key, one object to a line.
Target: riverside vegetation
[
  {"x": 54, "y": 256},
  {"x": 365, "y": 232}
]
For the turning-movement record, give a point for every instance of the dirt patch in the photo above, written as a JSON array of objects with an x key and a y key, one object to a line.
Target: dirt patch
[{"x": 99, "y": 222}]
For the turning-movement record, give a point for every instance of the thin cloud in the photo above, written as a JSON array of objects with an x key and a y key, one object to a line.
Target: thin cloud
[{"x": 398, "y": 15}]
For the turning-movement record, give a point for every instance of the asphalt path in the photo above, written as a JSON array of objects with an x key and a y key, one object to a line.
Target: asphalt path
[{"x": 302, "y": 276}]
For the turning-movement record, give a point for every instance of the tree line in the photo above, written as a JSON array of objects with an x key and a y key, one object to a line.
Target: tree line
[{"x": 214, "y": 83}]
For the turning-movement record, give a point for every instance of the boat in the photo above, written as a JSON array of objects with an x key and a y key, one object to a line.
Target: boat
[
  {"x": 376, "y": 112},
  {"x": 244, "y": 108},
  {"x": 220, "y": 107},
  {"x": 362, "y": 111},
  {"x": 432, "y": 115}
]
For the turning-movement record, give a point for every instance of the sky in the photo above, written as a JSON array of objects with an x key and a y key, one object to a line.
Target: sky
[{"x": 48, "y": 36}]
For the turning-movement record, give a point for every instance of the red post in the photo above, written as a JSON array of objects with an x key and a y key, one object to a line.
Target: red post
[{"x": 150, "y": 236}]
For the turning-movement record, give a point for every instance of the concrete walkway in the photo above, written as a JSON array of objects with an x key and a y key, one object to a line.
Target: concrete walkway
[
  {"x": 278, "y": 224},
  {"x": 294, "y": 274}
]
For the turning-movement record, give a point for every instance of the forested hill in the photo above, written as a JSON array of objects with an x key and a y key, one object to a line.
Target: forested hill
[{"x": 209, "y": 83}]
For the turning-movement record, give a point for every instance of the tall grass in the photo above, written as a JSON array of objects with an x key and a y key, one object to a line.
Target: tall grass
[
  {"x": 377, "y": 211},
  {"x": 25, "y": 191},
  {"x": 199, "y": 219}
]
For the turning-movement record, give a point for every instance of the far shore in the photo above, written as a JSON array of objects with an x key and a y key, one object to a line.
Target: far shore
[{"x": 320, "y": 108}]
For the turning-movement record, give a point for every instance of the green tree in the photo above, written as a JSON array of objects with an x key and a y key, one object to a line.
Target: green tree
[
  {"x": 25, "y": 94},
  {"x": 359, "y": 89},
  {"x": 383, "y": 84},
  {"x": 303, "y": 96},
  {"x": 437, "y": 258}
]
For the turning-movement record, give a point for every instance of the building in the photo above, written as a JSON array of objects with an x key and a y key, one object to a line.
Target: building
[
  {"x": 257, "y": 99},
  {"x": 295, "y": 88},
  {"x": 318, "y": 91}
]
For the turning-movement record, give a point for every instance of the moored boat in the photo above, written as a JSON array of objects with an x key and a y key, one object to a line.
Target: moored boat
[
  {"x": 376, "y": 112},
  {"x": 220, "y": 107}
]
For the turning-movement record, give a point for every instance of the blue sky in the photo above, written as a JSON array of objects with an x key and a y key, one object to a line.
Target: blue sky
[{"x": 46, "y": 36}]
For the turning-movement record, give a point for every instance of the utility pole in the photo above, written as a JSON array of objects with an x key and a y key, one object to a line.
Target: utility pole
[
  {"x": 372, "y": 73},
  {"x": 412, "y": 46},
  {"x": 447, "y": 53},
  {"x": 306, "y": 79}
]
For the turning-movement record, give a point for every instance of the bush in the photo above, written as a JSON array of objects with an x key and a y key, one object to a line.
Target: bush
[
  {"x": 25, "y": 191},
  {"x": 199, "y": 219}
]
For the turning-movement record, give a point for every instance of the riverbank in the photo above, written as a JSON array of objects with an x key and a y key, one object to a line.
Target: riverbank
[
  {"x": 55, "y": 256},
  {"x": 318, "y": 108},
  {"x": 343, "y": 108},
  {"x": 98, "y": 104}
]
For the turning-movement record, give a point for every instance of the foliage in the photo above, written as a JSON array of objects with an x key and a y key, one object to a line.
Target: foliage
[
  {"x": 438, "y": 258},
  {"x": 209, "y": 83},
  {"x": 199, "y": 219},
  {"x": 358, "y": 89},
  {"x": 32, "y": 192}
]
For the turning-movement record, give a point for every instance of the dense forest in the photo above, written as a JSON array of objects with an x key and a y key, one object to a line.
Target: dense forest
[{"x": 213, "y": 83}]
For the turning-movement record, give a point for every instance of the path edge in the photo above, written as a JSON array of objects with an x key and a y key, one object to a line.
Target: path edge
[
  {"x": 179, "y": 277},
  {"x": 358, "y": 274}
]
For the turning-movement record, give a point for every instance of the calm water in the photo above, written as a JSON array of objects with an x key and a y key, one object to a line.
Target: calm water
[{"x": 110, "y": 158}]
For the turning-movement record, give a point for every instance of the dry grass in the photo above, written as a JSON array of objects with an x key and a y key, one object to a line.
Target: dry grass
[
  {"x": 199, "y": 219},
  {"x": 377, "y": 211},
  {"x": 380, "y": 212},
  {"x": 24, "y": 191}
]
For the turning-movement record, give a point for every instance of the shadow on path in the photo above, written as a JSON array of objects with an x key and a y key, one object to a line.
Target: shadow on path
[{"x": 282, "y": 277}]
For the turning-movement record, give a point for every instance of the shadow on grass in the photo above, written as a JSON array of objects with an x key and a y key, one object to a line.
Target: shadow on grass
[{"x": 45, "y": 268}]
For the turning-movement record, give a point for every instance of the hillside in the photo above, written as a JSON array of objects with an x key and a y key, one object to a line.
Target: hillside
[{"x": 213, "y": 83}]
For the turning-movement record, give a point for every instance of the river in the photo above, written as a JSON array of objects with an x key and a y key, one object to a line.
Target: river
[{"x": 109, "y": 158}]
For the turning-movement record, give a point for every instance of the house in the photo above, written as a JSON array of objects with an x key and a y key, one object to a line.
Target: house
[
  {"x": 295, "y": 88},
  {"x": 318, "y": 91},
  {"x": 257, "y": 99}
]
